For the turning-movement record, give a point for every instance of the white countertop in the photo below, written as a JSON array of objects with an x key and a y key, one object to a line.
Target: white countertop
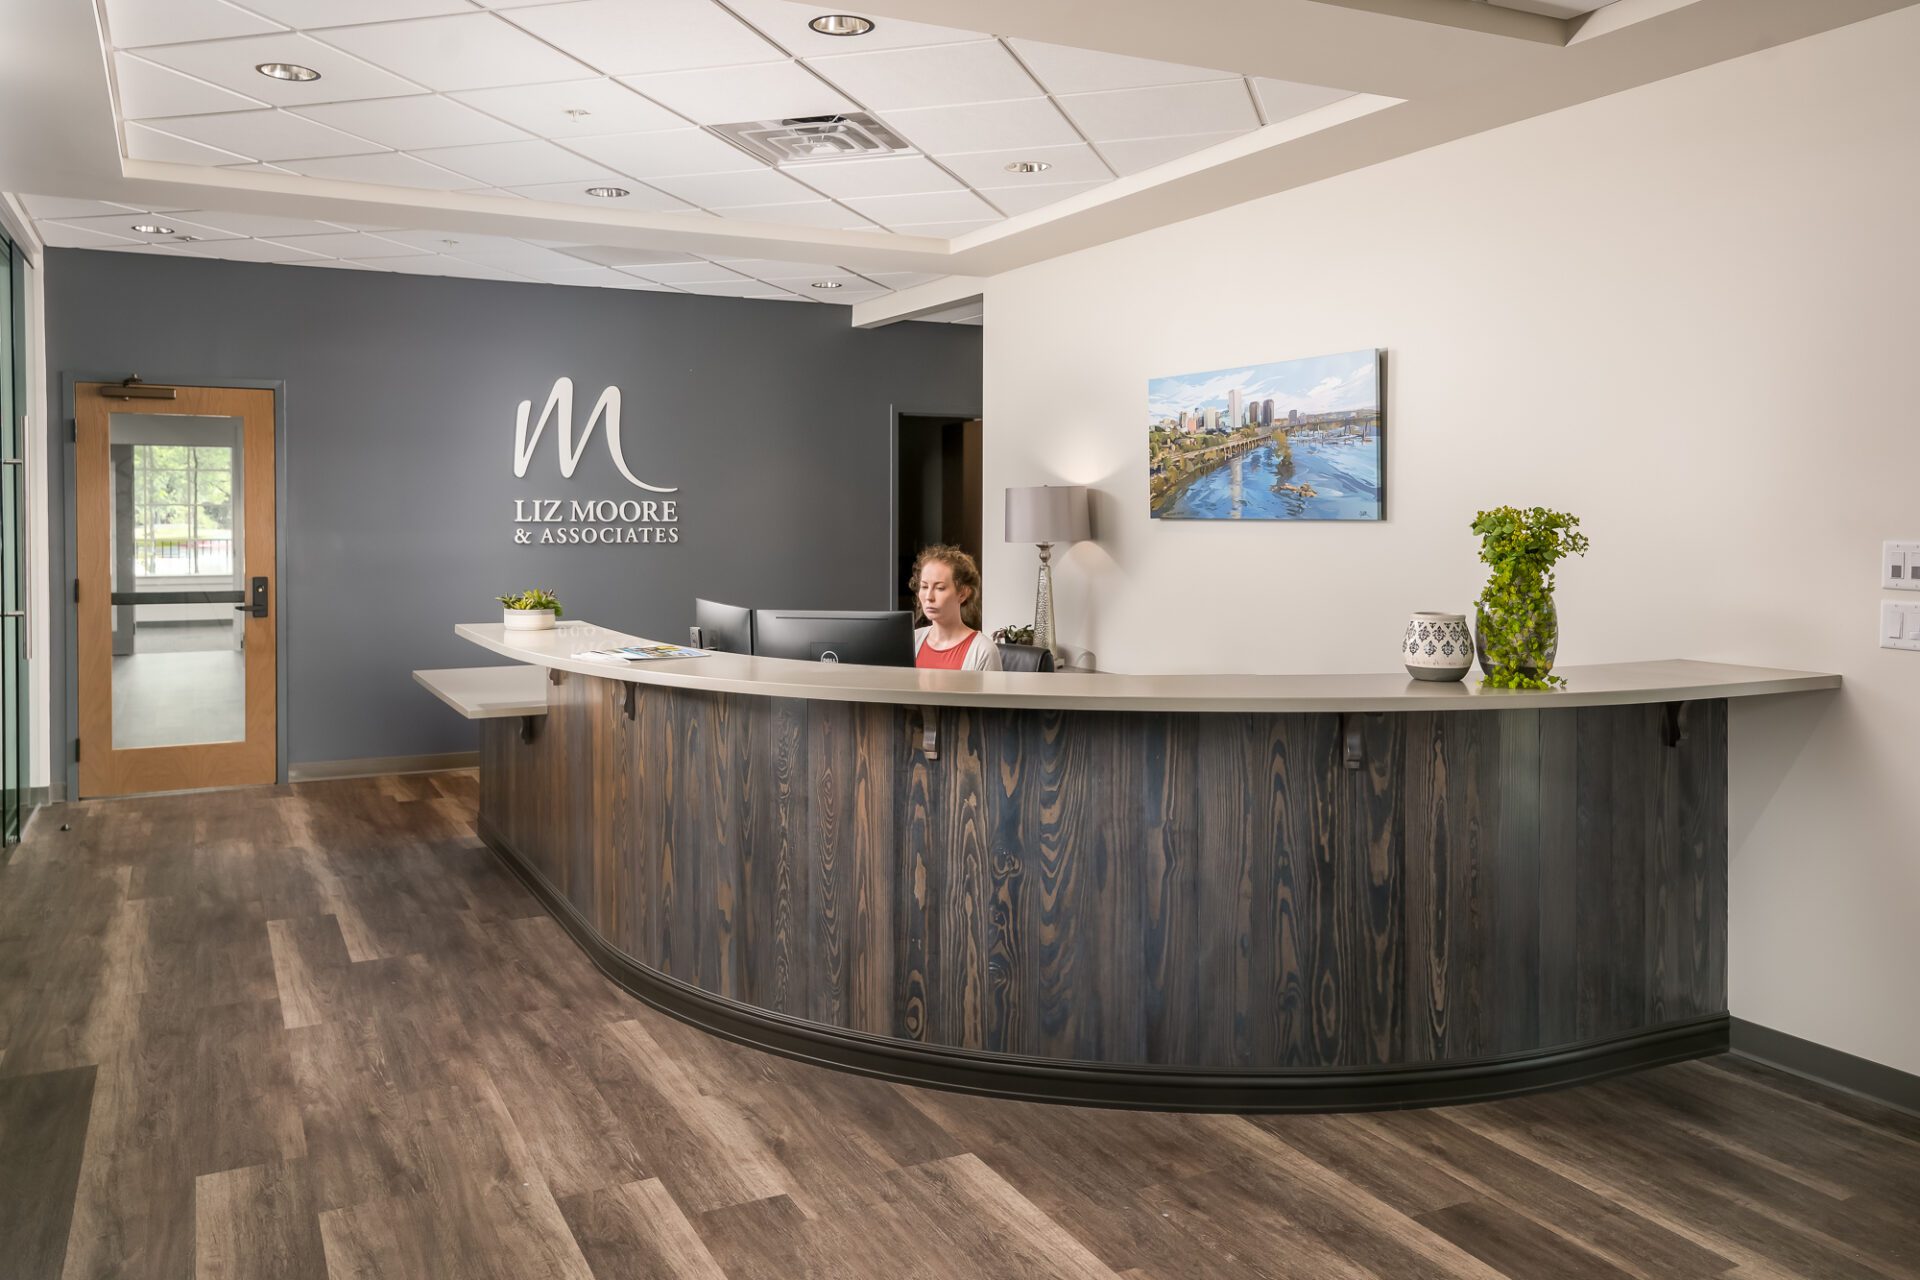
[
  {"x": 1614, "y": 684},
  {"x": 489, "y": 693}
]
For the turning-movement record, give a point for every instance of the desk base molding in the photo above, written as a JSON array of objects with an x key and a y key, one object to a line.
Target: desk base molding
[{"x": 1148, "y": 1088}]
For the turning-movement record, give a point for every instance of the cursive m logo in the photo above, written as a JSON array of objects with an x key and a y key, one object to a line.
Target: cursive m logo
[{"x": 561, "y": 397}]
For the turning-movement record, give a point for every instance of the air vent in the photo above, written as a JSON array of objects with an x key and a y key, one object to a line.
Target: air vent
[{"x": 810, "y": 139}]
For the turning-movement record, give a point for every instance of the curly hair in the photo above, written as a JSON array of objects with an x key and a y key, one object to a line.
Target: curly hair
[{"x": 966, "y": 576}]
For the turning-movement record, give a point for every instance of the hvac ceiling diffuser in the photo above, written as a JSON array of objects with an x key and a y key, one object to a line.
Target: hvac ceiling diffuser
[{"x": 811, "y": 139}]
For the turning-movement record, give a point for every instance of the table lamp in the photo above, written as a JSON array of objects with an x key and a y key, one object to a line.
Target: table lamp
[{"x": 1045, "y": 514}]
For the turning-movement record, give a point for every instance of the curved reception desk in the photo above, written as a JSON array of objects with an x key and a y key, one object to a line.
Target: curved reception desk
[{"x": 1219, "y": 893}]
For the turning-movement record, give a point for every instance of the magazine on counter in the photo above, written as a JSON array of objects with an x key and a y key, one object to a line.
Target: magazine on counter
[{"x": 640, "y": 653}]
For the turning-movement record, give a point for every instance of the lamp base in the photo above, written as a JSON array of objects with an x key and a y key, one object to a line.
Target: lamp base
[{"x": 1043, "y": 603}]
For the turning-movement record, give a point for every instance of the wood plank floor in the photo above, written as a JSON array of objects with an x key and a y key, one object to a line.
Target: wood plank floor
[{"x": 317, "y": 1032}]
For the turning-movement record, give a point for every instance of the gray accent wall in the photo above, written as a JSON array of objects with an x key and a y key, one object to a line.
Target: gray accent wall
[{"x": 773, "y": 419}]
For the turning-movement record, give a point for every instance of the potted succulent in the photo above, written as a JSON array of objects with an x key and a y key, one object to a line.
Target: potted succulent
[
  {"x": 1518, "y": 630},
  {"x": 532, "y": 610}
]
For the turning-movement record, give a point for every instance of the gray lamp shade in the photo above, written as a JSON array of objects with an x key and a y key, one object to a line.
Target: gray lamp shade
[{"x": 1048, "y": 513}]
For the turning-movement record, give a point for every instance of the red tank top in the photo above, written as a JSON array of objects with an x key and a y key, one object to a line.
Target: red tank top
[{"x": 944, "y": 659}]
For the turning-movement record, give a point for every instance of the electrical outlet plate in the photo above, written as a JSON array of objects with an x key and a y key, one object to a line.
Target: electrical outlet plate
[
  {"x": 1900, "y": 566},
  {"x": 1899, "y": 625}
]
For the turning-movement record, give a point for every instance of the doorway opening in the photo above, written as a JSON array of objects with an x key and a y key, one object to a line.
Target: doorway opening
[
  {"x": 176, "y": 633},
  {"x": 936, "y": 490}
]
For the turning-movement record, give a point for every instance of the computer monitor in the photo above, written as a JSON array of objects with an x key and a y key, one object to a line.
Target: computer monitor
[
  {"x": 723, "y": 628},
  {"x": 881, "y": 639}
]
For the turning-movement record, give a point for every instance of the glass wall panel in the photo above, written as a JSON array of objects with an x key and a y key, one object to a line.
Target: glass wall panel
[{"x": 13, "y": 480}]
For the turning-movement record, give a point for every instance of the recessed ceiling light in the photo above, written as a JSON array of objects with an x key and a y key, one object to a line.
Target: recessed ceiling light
[
  {"x": 152, "y": 229},
  {"x": 826, "y": 284},
  {"x": 608, "y": 193},
  {"x": 1029, "y": 166},
  {"x": 841, "y": 24},
  {"x": 287, "y": 71}
]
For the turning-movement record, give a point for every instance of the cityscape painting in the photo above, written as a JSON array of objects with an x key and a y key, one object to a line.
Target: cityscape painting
[{"x": 1292, "y": 440}]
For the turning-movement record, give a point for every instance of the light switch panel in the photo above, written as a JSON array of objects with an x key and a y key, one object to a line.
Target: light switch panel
[
  {"x": 1899, "y": 625},
  {"x": 1900, "y": 566}
]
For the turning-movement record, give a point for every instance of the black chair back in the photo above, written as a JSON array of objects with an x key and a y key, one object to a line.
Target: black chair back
[{"x": 1025, "y": 657}]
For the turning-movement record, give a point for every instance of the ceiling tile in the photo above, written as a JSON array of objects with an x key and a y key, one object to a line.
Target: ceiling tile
[
  {"x": 247, "y": 251},
  {"x": 59, "y": 235},
  {"x": 819, "y": 213},
  {"x": 741, "y": 289},
  {"x": 267, "y": 225},
  {"x": 984, "y": 126},
  {"x": 639, "y": 198},
  {"x": 1077, "y": 163},
  {"x": 941, "y": 76},
  {"x": 231, "y": 63},
  {"x": 613, "y": 255},
  {"x": 889, "y": 176},
  {"x": 411, "y": 123},
  {"x": 939, "y": 206},
  {"x": 1063, "y": 69},
  {"x": 731, "y": 190},
  {"x": 622, "y": 38},
  {"x": 1140, "y": 154},
  {"x": 131, "y": 23},
  {"x": 1284, "y": 99},
  {"x": 1017, "y": 200},
  {"x": 148, "y": 89},
  {"x": 847, "y": 294},
  {"x": 606, "y": 106},
  {"x": 65, "y": 207},
  {"x": 511, "y": 255},
  {"x": 803, "y": 283},
  {"x": 346, "y": 13},
  {"x": 901, "y": 279},
  {"x": 144, "y": 143},
  {"x": 465, "y": 51},
  {"x": 172, "y": 227},
  {"x": 723, "y": 95},
  {"x": 1168, "y": 111},
  {"x": 602, "y": 278},
  {"x": 441, "y": 265},
  {"x": 258, "y": 168},
  {"x": 786, "y": 25},
  {"x": 778, "y": 270},
  {"x": 683, "y": 273},
  {"x": 351, "y": 244},
  {"x": 666, "y": 154},
  {"x": 265, "y": 135},
  {"x": 516, "y": 164},
  {"x": 386, "y": 168}
]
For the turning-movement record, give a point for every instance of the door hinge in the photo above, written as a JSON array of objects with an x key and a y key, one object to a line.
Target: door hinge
[
  {"x": 73, "y": 430},
  {"x": 76, "y": 751},
  {"x": 76, "y": 591}
]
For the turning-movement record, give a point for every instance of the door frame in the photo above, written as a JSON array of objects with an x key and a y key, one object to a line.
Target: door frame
[{"x": 63, "y": 734}]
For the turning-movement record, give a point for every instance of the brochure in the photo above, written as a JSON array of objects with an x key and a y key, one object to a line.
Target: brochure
[{"x": 640, "y": 653}]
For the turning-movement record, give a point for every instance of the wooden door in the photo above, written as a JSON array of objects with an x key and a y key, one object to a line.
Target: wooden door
[{"x": 177, "y": 615}]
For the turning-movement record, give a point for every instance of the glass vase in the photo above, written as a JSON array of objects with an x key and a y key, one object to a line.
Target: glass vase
[{"x": 1533, "y": 637}]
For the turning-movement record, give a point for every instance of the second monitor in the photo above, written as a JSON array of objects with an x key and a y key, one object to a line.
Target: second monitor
[{"x": 878, "y": 639}]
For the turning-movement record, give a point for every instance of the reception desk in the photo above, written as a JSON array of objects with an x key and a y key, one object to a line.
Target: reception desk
[{"x": 1183, "y": 892}]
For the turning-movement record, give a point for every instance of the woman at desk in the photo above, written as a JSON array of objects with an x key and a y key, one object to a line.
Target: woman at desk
[{"x": 946, "y": 582}]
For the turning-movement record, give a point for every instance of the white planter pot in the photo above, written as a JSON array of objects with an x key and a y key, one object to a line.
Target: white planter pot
[
  {"x": 529, "y": 619},
  {"x": 1437, "y": 646}
]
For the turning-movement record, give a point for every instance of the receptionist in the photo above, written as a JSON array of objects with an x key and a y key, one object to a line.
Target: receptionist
[{"x": 946, "y": 583}]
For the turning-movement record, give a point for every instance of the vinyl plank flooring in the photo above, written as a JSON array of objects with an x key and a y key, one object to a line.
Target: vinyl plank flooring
[
  {"x": 43, "y": 1130},
  {"x": 317, "y": 1032}
]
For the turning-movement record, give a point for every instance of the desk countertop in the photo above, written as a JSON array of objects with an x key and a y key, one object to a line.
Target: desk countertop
[{"x": 1612, "y": 684}]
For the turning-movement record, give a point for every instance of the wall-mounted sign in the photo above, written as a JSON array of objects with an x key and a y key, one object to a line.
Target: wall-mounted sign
[{"x": 586, "y": 521}]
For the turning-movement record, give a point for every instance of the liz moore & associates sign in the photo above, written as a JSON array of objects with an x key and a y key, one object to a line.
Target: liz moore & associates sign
[{"x": 586, "y": 521}]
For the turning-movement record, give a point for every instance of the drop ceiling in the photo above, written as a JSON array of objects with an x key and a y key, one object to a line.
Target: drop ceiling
[{"x": 461, "y": 137}]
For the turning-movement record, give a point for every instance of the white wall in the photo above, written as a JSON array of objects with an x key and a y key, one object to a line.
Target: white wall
[{"x": 1689, "y": 314}]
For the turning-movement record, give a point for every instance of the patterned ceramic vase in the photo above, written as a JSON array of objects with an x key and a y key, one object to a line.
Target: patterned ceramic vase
[{"x": 1437, "y": 646}]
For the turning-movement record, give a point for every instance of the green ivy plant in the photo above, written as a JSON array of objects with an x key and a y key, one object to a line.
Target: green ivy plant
[
  {"x": 1517, "y": 622},
  {"x": 535, "y": 598},
  {"x": 1013, "y": 635}
]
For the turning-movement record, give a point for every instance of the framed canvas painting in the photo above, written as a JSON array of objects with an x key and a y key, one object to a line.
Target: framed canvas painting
[{"x": 1292, "y": 440}]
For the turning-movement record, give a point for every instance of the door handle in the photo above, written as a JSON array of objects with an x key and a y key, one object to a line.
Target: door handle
[{"x": 257, "y": 606}]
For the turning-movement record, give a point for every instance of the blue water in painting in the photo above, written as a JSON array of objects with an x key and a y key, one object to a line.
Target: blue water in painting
[{"x": 1344, "y": 473}]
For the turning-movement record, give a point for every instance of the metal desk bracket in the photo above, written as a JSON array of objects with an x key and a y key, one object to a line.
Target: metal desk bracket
[
  {"x": 1351, "y": 756},
  {"x": 529, "y": 728},
  {"x": 633, "y": 691},
  {"x": 1674, "y": 731},
  {"x": 930, "y": 732}
]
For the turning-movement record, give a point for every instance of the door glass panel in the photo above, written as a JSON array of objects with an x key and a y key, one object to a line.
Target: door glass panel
[
  {"x": 13, "y": 479},
  {"x": 179, "y": 659}
]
